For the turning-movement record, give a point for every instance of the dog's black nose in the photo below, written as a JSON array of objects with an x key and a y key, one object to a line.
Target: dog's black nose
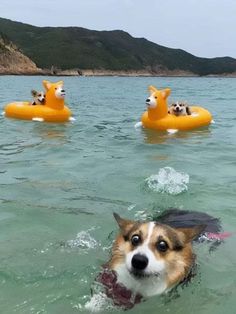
[
  {"x": 139, "y": 262},
  {"x": 63, "y": 91},
  {"x": 147, "y": 100}
]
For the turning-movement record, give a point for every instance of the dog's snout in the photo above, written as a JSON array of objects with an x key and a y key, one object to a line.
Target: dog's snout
[{"x": 139, "y": 262}]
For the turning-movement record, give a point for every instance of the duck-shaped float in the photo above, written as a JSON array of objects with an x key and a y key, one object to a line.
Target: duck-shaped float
[
  {"x": 157, "y": 116},
  {"x": 53, "y": 109}
]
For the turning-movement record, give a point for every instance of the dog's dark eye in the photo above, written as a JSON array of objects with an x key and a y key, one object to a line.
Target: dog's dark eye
[
  {"x": 55, "y": 88},
  {"x": 162, "y": 246},
  {"x": 155, "y": 97},
  {"x": 181, "y": 105},
  {"x": 135, "y": 240},
  {"x": 175, "y": 105}
]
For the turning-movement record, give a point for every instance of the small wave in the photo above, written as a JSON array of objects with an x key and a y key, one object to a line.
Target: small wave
[
  {"x": 141, "y": 215},
  {"x": 169, "y": 181},
  {"x": 98, "y": 303},
  {"x": 83, "y": 240}
]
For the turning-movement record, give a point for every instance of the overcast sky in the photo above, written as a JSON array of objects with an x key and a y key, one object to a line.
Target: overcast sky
[{"x": 204, "y": 28}]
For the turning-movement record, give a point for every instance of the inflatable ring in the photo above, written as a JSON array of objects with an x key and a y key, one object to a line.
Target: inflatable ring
[
  {"x": 53, "y": 109},
  {"x": 157, "y": 117}
]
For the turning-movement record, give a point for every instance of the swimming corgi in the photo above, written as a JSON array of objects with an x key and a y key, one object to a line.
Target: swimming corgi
[
  {"x": 150, "y": 258},
  {"x": 38, "y": 98},
  {"x": 179, "y": 109}
]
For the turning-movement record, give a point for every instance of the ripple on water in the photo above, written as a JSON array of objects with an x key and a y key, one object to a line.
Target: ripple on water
[{"x": 169, "y": 181}]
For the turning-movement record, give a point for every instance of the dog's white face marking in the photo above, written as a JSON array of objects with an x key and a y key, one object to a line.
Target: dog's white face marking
[
  {"x": 60, "y": 92},
  {"x": 151, "y": 102},
  {"x": 154, "y": 266},
  {"x": 153, "y": 279},
  {"x": 41, "y": 97}
]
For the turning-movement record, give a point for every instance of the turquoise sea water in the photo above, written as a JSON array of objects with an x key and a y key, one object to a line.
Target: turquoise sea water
[{"x": 60, "y": 183}]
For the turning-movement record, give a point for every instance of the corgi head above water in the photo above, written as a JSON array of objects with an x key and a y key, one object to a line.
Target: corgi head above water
[{"x": 150, "y": 258}]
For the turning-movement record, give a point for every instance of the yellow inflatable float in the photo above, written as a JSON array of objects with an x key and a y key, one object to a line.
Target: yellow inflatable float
[
  {"x": 157, "y": 116},
  {"x": 52, "y": 110}
]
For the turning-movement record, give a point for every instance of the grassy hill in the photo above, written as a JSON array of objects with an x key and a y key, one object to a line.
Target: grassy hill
[{"x": 76, "y": 47}]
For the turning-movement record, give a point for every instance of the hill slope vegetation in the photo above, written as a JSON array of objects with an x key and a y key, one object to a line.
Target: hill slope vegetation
[{"x": 76, "y": 47}]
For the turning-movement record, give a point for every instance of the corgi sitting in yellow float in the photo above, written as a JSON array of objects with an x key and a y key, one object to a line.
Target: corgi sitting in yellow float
[
  {"x": 157, "y": 117},
  {"x": 54, "y": 109}
]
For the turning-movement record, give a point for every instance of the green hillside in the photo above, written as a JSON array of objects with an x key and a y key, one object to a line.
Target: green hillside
[{"x": 76, "y": 47}]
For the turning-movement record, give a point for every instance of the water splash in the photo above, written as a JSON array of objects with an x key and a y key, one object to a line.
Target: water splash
[
  {"x": 98, "y": 303},
  {"x": 169, "y": 181},
  {"x": 141, "y": 215},
  {"x": 83, "y": 240}
]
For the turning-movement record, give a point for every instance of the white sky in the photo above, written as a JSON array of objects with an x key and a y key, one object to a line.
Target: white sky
[{"x": 204, "y": 28}]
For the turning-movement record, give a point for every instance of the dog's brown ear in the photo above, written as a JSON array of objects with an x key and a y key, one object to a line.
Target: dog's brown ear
[
  {"x": 191, "y": 233},
  {"x": 34, "y": 92},
  {"x": 123, "y": 223}
]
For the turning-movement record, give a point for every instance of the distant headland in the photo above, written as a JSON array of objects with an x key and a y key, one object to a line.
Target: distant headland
[{"x": 69, "y": 51}]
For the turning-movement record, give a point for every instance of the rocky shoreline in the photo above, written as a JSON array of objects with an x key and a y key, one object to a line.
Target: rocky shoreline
[{"x": 25, "y": 69}]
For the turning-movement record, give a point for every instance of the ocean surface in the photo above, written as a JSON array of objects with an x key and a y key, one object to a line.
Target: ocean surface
[{"x": 60, "y": 184}]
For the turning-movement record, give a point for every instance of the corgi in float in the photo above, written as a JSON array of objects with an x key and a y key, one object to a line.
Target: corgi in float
[
  {"x": 38, "y": 98},
  {"x": 179, "y": 109}
]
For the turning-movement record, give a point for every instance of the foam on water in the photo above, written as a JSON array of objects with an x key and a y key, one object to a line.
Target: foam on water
[
  {"x": 168, "y": 180},
  {"x": 98, "y": 303},
  {"x": 83, "y": 240}
]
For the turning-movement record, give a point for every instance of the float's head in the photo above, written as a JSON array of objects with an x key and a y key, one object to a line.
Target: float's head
[
  {"x": 157, "y": 102},
  {"x": 55, "y": 94}
]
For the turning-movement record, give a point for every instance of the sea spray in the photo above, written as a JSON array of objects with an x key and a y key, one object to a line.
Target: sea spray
[
  {"x": 83, "y": 240},
  {"x": 169, "y": 181}
]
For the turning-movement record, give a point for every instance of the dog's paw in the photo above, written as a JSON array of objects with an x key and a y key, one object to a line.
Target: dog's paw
[{"x": 38, "y": 119}]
